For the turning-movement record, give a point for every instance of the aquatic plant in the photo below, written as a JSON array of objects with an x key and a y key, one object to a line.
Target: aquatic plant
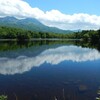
[
  {"x": 97, "y": 98},
  {"x": 98, "y": 92},
  {"x": 3, "y": 97}
]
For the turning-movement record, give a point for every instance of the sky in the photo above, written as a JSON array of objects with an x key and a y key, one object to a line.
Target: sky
[
  {"x": 63, "y": 14},
  {"x": 68, "y": 6}
]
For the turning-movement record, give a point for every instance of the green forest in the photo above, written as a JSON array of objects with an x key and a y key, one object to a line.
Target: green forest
[
  {"x": 88, "y": 35},
  {"x": 20, "y": 34}
]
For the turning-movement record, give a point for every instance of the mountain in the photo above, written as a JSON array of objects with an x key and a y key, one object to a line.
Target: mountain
[{"x": 29, "y": 24}]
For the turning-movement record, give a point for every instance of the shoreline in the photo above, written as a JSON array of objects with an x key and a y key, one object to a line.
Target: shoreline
[{"x": 41, "y": 39}]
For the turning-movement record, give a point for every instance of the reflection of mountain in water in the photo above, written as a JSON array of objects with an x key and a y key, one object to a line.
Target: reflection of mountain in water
[{"x": 23, "y": 63}]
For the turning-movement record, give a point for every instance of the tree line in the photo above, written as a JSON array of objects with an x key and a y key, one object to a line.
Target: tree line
[
  {"x": 88, "y": 35},
  {"x": 20, "y": 34}
]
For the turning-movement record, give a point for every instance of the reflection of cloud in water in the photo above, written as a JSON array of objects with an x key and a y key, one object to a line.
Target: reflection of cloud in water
[{"x": 53, "y": 56}]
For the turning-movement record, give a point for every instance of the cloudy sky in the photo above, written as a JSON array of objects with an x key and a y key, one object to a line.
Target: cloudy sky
[{"x": 64, "y": 14}]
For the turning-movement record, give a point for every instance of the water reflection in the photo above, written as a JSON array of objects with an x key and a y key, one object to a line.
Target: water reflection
[
  {"x": 50, "y": 54},
  {"x": 44, "y": 70}
]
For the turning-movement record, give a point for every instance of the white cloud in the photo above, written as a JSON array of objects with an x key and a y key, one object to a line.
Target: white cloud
[
  {"x": 54, "y": 18},
  {"x": 54, "y": 56}
]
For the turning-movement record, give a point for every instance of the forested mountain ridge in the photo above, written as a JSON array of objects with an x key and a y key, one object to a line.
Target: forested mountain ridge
[
  {"x": 29, "y": 24},
  {"x": 12, "y": 28}
]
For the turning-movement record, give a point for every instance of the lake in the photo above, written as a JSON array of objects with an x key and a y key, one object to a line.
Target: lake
[{"x": 49, "y": 70}]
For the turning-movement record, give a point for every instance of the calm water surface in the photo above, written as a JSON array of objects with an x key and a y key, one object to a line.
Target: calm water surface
[{"x": 43, "y": 70}]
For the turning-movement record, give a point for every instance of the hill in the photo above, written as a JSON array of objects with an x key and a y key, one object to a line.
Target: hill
[{"x": 29, "y": 24}]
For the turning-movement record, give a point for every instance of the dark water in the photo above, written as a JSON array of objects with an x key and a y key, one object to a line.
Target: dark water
[{"x": 49, "y": 70}]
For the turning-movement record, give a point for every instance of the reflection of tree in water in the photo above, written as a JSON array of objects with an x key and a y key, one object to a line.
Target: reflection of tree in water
[
  {"x": 93, "y": 45},
  {"x": 13, "y": 45}
]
